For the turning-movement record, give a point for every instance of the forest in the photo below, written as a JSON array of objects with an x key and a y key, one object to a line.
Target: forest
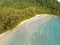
[{"x": 13, "y": 12}]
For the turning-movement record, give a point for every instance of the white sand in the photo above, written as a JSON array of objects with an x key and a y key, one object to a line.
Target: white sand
[{"x": 5, "y": 36}]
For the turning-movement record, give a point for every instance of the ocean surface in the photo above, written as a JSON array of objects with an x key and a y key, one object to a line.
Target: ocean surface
[{"x": 45, "y": 33}]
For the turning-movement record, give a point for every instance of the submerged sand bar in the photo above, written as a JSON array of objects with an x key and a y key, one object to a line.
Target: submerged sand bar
[{"x": 33, "y": 21}]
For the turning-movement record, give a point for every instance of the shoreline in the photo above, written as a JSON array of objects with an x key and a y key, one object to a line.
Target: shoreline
[{"x": 5, "y": 36}]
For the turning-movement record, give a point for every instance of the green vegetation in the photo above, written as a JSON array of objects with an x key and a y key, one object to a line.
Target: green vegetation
[{"x": 12, "y": 12}]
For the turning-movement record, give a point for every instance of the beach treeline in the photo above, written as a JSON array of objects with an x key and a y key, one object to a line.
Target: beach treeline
[{"x": 13, "y": 12}]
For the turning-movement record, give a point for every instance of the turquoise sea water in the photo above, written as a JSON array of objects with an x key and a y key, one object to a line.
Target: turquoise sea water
[{"x": 47, "y": 33}]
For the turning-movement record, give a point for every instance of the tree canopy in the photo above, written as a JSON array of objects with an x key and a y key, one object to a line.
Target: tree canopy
[{"x": 12, "y": 12}]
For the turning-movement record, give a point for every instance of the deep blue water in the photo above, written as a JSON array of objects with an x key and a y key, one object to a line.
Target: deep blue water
[{"x": 47, "y": 33}]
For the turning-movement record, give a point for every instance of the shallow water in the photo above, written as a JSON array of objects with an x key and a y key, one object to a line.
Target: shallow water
[{"x": 47, "y": 33}]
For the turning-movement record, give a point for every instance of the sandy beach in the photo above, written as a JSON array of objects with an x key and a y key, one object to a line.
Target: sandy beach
[{"x": 38, "y": 18}]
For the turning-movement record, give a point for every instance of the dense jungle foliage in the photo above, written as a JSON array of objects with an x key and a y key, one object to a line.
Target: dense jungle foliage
[{"x": 12, "y": 12}]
